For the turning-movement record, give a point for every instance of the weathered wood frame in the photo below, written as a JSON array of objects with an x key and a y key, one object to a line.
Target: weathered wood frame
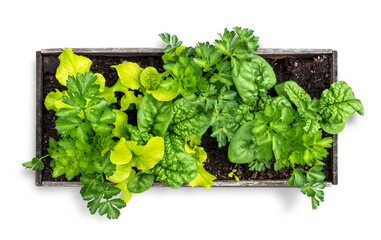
[{"x": 128, "y": 52}]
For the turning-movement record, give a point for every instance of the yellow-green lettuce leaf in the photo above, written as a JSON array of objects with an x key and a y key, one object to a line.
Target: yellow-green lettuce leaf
[
  {"x": 121, "y": 154},
  {"x": 147, "y": 156},
  {"x": 163, "y": 95},
  {"x": 129, "y": 74},
  {"x": 121, "y": 173},
  {"x": 128, "y": 99},
  {"x": 53, "y": 101},
  {"x": 120, "y": 121},
  {"x": 101, "y": 81},
  {"x": 71, "y": 64},
  {"x": 150, "y": 78},
  {"x": 126, "y": 194},
  {"x": 203, "y": 178}
]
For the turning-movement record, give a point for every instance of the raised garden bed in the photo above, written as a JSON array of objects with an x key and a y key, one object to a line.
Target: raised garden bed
[{"x": 313, "y": 69}]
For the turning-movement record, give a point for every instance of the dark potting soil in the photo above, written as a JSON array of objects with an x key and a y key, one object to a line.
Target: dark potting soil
[{"x": 311, "y": 73}]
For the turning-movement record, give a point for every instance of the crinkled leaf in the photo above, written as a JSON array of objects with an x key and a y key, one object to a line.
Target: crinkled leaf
[
  {"x": 338, "y": 103},
  {"x": 126, "y": 194},
  {"x": 120, "y": 122},
  {"x": 332, "y": 128},
  {"x": 129, "y": 74},
  {"x": 128, "y": 99},
  {"x": 121, "y": 173},
  {"x": 121, "y": 154},
  {"x": 70, "y": 65},
  {"x": 147, "y": 156},
  {"x": 189, "y": 119},
  {"x": 150, "y": 78},
  {"x": 163, "y": 92},
  {"x": 54, "y": 101},
  {"x": 177, "y": 166},
  {"x": 203, "y": 178}
]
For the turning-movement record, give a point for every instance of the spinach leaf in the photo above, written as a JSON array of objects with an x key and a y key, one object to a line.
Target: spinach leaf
[
  {"x": 141, "y": 182},
  {"x": 177, "y": 166},
  {"x": 337, "y": 104},
  {"x": 154, "y": 116},
  {"x": 242, "y": 147},
  {"x": 189, "y": 118},
  {"x": 254, "y": 78}
]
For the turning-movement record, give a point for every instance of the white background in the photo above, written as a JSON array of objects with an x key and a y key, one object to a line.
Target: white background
[{"x": 352, "y": 209}]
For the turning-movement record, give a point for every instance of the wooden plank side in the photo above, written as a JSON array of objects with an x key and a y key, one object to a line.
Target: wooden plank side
[
  {"x": 335, "y": 144},
  {"x": 39, "y": 103},
  {"x": 122, "y": 51},
  {"x": 219, "y": 183}
]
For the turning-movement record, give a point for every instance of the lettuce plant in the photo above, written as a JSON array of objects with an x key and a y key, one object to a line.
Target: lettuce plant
[{"x": 223, "y": 86}]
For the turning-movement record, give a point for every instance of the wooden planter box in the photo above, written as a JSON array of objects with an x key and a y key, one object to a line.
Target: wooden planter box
[{"x": 269, "y": 54}]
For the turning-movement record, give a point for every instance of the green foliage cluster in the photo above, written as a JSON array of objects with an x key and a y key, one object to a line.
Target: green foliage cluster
[{"x": 223, "y": 86}]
